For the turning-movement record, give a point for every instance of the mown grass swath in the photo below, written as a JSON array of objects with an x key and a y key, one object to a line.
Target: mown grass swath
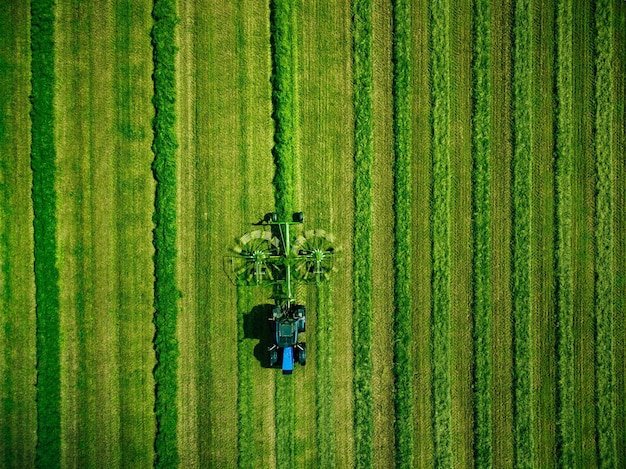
[
  {"x": 563, "y": 172},
  {"x": 440, "y": 89},
  {"x": 43, "y": 156},
  {"x": 403, "y": 187},
  {"x": 481, "y": 142},
  {"x": 283, "y": 100},
  {"x": 166, "y": 293},
  {"x": 324, "y": 377},
  {"x": 362, "y": 269},
  {"x": 605, "y": 400},
  {"x": 522, "y": 89},
  {"x": 245, "y": 397}
]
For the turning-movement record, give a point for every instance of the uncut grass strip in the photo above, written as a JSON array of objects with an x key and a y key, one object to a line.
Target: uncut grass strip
[
  {"x": 522, "y": 89},
  {"x": 604, "y": 228},
  {"x": 440, "y": 88},
  {"x": 481, "y": 171},
  {"x": 324, "y": 377},
  {"x": 245, "y": 397},
  {"x": 166, "y": 293},
  {"x": 565, "y": 310},
  {"x": 403, "y": 319},
  {"x": 43, "y": 156},
  {"x": 285, "y": 421},
  {"x": 362, "y": 269}
]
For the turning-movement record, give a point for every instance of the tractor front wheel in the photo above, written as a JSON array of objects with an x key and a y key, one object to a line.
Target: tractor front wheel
[
  {"x": 273, "y": 356},
  {"x": 302, "y": 354}
]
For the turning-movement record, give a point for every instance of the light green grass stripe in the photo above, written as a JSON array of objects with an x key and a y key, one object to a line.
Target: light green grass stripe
[
  {"x": 522, "y": 89},
  {"x": 565, "y": 311},
  {"x": 604, "y": 236},
  {"x": 245, "y": 396},
  {"x": 166, "y": 293},
  {"x": 324, "y": 376},
  {"x": 440, "y": 88},
  {"x": 481, "y": 172},
  {"x": 43, "y": 156},
  {"x": 362, "y": 269},
  {"x": 403, "y": 188}
]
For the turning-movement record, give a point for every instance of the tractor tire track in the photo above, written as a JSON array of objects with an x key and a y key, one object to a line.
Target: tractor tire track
[{"x": 18, "y": 417}]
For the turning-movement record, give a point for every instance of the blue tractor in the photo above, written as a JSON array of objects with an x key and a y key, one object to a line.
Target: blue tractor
[{"x": 278, "y": 254}]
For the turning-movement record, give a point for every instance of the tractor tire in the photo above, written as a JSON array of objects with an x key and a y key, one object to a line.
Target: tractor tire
[
  {"x": 302, "y": 354},
  {"x": 298, "y": 217},
  {"x": 273, "y": 356},
  {"x": 302, "y": 326}
]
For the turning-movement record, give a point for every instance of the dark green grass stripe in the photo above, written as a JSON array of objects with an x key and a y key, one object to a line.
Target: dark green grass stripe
[
  {"x": 285, "y": 421},
  {"x": 166, "y": 293},
  {"x": 565, "y": 311},
  {"x": 402, "y": 126},
  {"x": 481, "y": 171},
  {"x": 440, "y": 88},
  {"x": 604, "y": 236},
  {"x": 362, "y": 269},
  {"x": 245, "y": 397},
  {"x": 324, "y": 377},
  {"x": 43, "y": 155},
  {"x": 284, "y": 105},
  {"x": 522, "y": 89}
]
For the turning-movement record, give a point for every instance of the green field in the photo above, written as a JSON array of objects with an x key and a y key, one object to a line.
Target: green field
[{"x": 468, "y": 156}]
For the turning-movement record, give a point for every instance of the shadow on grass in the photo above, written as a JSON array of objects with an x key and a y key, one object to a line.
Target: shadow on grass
[{"x": 257, "y": 325}]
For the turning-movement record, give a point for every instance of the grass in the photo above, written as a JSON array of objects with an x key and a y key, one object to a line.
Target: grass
[
  {"x": 605, "y": 281},
  {"x": 324, "y": 378},
  {"x": 440, "y": 225},
  {"x": 522, "y": 85},
  {"x": 166, "y": 293},
  {"x": 481, "y": 175},
  {"x": 362, "y": 269},
  {"x": 563, "y": 171},
  {"x": 43, "y": 155},
  {"x": 403, "y": 319}
]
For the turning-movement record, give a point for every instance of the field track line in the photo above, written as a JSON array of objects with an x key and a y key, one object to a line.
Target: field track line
[
  {"x": 605, "y": 281},
  {"x": 440, "y": 225},
  {"x": 501, "y": 337},
  {"x": 482, "y": 257},
  {"x": 362, "y": 268},
  {"x": 619, "y": 132},
  {"x": 166, "y": 292},
  {"x": 422, "y": 242},
  {"x": 18, "y": 418},
  {"x": 403, "y": 233},
  {"x": 522, "y": 372},
  {"x": 461, "y": 344},
  {"x": 563, "y": 175},
  {"x": 43, "y": 156},
  {"x": 543, "y": 235}
]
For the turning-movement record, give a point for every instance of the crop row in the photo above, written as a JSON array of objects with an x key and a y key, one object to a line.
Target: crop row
[
  {"x": 481, "y": 69},
  {"x": 440, "y": 89},
  {"x": 283, "y": 100},
  {"x": 324, "y": 377},
  {"x": 604, "y": 237},
  {"x": 362, "y": 269},
  {"x": 522, "y": 89},
  {"x": 166, "y": 293},
  {"x": 565, "y": 312},
  {"x": 43, "y": 155},
  {"x": 403, "y": 320},
  {"x": 245, "y": 398}
]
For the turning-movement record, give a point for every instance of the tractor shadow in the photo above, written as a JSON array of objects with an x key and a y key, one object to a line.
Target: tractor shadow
[{"x": 256, "y": 325}]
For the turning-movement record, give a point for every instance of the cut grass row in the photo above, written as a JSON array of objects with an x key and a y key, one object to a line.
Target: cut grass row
[
  {"x": 522, "y": 90},
  {"x": 166, "y": 293},
  {"x": 481, "y": 175},
  {"x": 403, "y": 318},
  {"x": 284, "y": 115},
  {"x": 605, "y": 281},
  {"x": 362, "y": 268},
  {"x": 440, "y": 226},
  {"x": 563, "y": 175},
  {"x": 43, "y": 156}
]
